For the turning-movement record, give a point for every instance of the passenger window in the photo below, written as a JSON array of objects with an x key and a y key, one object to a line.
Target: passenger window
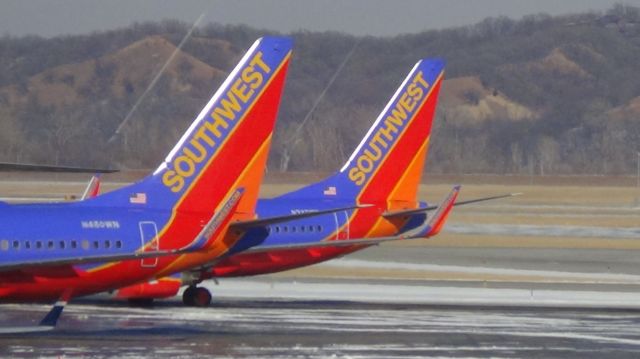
[
  {"x": 107, "y": 244},
  {"x": 96, "y": 245},
  {"x": 319, "y": 228},
  {"x": 62, "y": 245},
  {"x": 285, "y": 228},
  {"x": 293, "y": 229},
  {"x": 85, "y": 244},
  {"x": 16, "y": 245},
  {"x": 50, "y": 244},
  {"x": 74, "y": 244},
  {"x": 27, "y": 245},
  {"x": 301, "y": 228},
  {"x": 38, "y": 245},
  {"x": 118, "y": 244},
  {"x": 277, "y": 229},
  {"x": 4, "y": 245},
  {"x": 310, "y": 228}
]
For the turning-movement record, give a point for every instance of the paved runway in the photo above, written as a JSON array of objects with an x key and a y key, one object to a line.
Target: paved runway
[{"x": 240, "y": 328}]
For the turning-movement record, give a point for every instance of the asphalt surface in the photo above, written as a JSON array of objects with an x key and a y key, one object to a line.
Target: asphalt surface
[{"x": 240, "y": 328}]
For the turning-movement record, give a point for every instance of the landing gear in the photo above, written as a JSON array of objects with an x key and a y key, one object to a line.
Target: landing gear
[{"x": 196, "y": 297}]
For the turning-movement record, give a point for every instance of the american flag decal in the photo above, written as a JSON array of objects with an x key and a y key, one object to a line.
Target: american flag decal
[
  {"x": 138, "y": 198},
  {"x": 330, "y": 191}
]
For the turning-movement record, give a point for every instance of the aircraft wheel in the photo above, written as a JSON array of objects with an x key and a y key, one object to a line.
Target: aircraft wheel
[
  {"x": 202, "y": 297},
  {"x": 188, "y": 297}
]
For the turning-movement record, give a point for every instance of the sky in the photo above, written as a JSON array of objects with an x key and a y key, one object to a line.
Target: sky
[{"x": 358, "y": 17}]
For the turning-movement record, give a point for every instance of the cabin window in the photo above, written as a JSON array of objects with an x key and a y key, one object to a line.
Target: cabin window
[
  {"x": 27, "y": 245},
  {"x": 74, "y": 244},
  {"x": 85, "y": 244},
  {"x": 62, "y": 245},
  {"x": 118, "y": 244},
  {"x": 285, "y": 228},
  {"x": 50, "y": 245},
  {"x": 107, "y": 244},
  {"x": 38, "y": 245},
  {"x": 310, "y": 228},
  {"x": 96, "y": 245},
  {"x": 277, "y": 229},
  {"x": 302, "y": 229},
  {"x": 319, "y": 228},
  {"x": 4, "y": 245},
  {"x": 293, "y": 229},
  {"x": 16, "y": 245}
]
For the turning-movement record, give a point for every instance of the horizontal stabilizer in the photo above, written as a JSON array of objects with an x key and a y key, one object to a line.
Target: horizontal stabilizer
[
  {"x": 430, "y": 228},
  {"x": 209, "y": 230},
  {"x": 435, "y": 224},
  {"x": 411, "y": 212},
  {"x": 262, "y": 222}
]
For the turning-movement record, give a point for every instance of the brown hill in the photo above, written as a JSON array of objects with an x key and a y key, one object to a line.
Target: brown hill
[
  {"x": 558, "y": 62},
  {"x": 555, "y": 63},
  {"x": 126, "y": 72},
  {"x": 467, "y": 100},
  {"x": 631, "y": 110}
]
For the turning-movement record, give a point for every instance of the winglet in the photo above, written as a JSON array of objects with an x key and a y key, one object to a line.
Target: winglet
[{"x": 51, "y": 319}]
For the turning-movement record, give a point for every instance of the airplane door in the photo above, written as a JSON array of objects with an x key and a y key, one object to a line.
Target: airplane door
[
  {"x": 342, "y": 224},
  {"x": 149, "y": 238}
]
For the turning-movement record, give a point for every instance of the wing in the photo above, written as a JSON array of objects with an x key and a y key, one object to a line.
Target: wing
[{"x": 24, "y": 167}]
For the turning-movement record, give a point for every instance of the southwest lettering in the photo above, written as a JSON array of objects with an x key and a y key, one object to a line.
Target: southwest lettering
[
  {"x": 365, "y": 164},
  {"x": 171, "y": 179},
  {"x": 377, "y": 139},
  {"x": 240, "y": 90},
  {"x": 254, "y": 79},
  {"x": 202, "y": 135},
  {"x": 257, "y": 60},
  {"x": 406, "y": 102},
  {"x": 389, "y": 129},
  {"x": 372, "y": 156},
  {"x": 414, "y": 91},
  {"x": 357, "y": 176},
  {"x": 229, "y": 108},
  {"x": 213, "y": 129},
  {"x": 181, "y": 170},
  {"x": 202, "y": 152}
]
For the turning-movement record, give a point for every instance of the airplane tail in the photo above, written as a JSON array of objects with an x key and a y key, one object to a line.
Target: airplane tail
[
  {"x": 388, "y": 164},
  {"x": 226, "y": 146}
]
